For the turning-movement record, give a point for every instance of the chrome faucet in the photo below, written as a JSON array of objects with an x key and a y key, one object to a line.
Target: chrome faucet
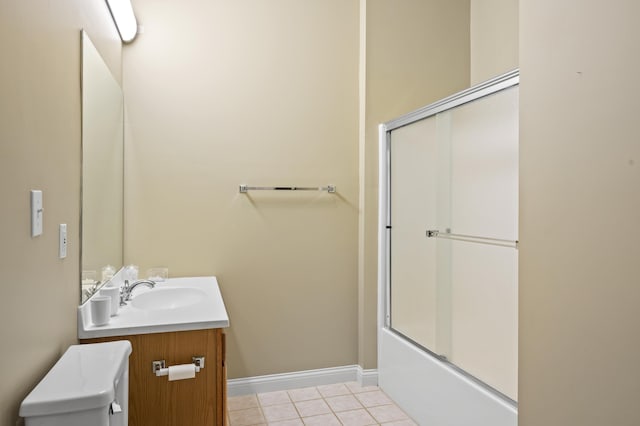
[{"x": 127, "y": 289}]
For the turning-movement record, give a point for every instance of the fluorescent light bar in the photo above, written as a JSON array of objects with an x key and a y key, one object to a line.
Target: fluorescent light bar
[{"x": 125, "y": 20}]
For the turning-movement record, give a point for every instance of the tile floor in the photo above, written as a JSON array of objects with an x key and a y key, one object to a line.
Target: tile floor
[{"x": 347, "y": 404}]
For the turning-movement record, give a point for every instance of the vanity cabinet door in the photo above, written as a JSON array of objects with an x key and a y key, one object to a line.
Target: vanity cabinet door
[{"x": 155, "y": 401}]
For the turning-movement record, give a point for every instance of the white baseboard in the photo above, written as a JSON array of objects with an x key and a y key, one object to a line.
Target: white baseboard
[
  {"x": 367, "y": 377},
  {"x": 301, "y": 379}
]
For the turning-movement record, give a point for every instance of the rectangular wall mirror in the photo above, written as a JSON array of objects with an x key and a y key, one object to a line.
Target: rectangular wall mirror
[{"x": 102, "y": 170}]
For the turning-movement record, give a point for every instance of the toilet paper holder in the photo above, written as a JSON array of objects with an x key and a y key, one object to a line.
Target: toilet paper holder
[{"x": 159, "y": 368}]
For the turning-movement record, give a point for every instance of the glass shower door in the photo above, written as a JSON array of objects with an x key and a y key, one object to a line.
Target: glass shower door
[
  {"x": 453, "y": 194},
  {"x": 418, "y": 304}
]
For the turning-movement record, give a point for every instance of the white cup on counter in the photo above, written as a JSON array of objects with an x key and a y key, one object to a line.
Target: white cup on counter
[
  {"x": 114, "y": 294},
  {"x": 100, "y": 310}
]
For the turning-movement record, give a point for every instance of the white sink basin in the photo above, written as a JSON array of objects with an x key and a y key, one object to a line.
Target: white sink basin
[
  {"x": 168, "y": 298},
  {"x": 177, "y": 304}
]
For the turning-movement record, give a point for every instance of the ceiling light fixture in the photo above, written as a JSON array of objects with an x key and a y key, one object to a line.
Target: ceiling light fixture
[{"x": 125, "y": 20}]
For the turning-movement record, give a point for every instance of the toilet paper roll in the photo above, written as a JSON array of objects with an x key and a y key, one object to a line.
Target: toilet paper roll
[{"x": 182, "y": 371}]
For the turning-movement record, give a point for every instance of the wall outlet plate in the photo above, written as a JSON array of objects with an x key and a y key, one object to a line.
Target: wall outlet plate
[{"x": 62, "y": 250}]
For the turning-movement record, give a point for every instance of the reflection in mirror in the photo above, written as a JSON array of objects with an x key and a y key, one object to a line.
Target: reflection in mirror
[{"x": 102, "y": 171}]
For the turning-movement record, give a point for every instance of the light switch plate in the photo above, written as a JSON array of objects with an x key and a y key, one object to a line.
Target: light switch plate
[{"x": 36, "y": 213}]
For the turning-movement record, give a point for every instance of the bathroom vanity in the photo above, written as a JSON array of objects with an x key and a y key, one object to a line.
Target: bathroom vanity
[{"x": 179, "y": 319}]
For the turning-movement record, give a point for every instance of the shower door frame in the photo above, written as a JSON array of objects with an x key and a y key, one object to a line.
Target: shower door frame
[{"x": 488, "y": 407}]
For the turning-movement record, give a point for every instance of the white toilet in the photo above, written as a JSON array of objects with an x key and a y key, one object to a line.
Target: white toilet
[{"x": 88, "y": 386}]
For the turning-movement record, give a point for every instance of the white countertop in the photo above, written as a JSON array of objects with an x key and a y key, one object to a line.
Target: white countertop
[{"x": 208, "y": 313}]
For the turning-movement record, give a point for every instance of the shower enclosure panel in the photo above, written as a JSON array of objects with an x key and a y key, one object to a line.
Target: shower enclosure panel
[
  {"x": 449, "y": 230},
  {"x": 414, "y": 292}
]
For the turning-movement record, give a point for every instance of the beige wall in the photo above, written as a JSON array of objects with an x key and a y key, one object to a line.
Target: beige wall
[
  {"x": 222, "y": 93},
  {"x": 40, "y": 149},
  {"x": 269, "y": 95},
  {"x": 494, "y": 38},
  {"x": 416, "y": 53},
  {"x": 580, "y": 210}
]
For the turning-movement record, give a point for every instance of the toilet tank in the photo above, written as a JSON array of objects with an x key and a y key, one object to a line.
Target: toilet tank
[{"x": 88, "y": 386}]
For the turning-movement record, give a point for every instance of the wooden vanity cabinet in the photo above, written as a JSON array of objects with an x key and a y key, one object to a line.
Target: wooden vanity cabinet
[{"x": 155, "y": 401}]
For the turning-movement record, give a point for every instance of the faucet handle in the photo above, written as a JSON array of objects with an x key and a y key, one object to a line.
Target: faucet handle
[{"x": 124, "y": 293}]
